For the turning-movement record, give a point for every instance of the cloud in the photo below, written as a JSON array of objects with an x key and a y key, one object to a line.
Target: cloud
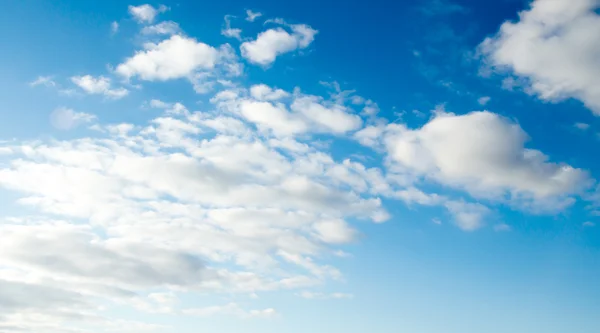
[
  {"x": 230, "y": 32},
  {"x": 502, "y": 227},
  {"x": 284, "y": 114},
  {"x": 485, "y": 155},
  {"x": 483, "y": 100},
  {"x": 162, "y": 28},
  {"x": 114, "y": 27},
  {"x": 65, "y": 119},
  {"x": 251, "y": 16},
  {"x": 146, "y": 13},
  {"x": 554, "y": 49},
  {"x": 99, "y": 86},
  {"x": 314, "y": 295},
  {"x": 581, "y": 126},
  {"x": 589, "y": 224},
  {"x": 467, "y": 216},
  {"x": 274, "y": 42},
  {"x": 231, "y": 309},
  {"x": 133, "y": 202},
  {"x": 172, "y": 58},
  {"x": 46, "y": 81}
]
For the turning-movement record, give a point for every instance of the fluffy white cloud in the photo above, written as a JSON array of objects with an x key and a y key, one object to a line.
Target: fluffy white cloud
[
  {"x": 146, "y": 13},
  {"x": 555, "y": 47},
  {"x": 262, "y": 92},
  {"x": 284, "y": 114},
  {"x": 172, "y": 58},
  {"x": 99, "y": 85},
  {"x": 334, "y": 118},
  {"x": 274, "y": 42},
  {"x": 162, "y": 28},
  {"x": 251, "y": 16},
  {"x": 64, "y": 118},
  {"x": 484, "y": 154}
]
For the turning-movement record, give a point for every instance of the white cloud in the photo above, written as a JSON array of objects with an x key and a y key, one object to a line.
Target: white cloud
[
  {"x": 502, "y": 227},
  {"x": 483, "y": 100},
  {"x": 589, "y": 224},
  {"x": 231, "y": 309},
  {"x": 43, "y": 81},
  {"x": 484, "y": 154},
  {"x": 284, "y": 114},
  {"x": 172, "y": 58},
  {"x": 99, "y": 85},
  {"x": 64, "y": 118},
  {"x": 334, "y": 119},
  {"x": 467, "y": 216},
  {"x": 335, "y": 231},
  {"x": 274, "y": 42},
  {"x": 114, "y": 27},
  {"x": 230, "y": 32},
  {"x": 162, "y": 28},
  {"x": 262, "y": 92},
  {"x": 581, "y": 126},
  {"x": 134, "y": 202},
  {"x": 251, "y": 16},
  {"x": 314, "y": 295},
  {"x": 146, "y": 13},
  {"x": 554, "y": 46}
]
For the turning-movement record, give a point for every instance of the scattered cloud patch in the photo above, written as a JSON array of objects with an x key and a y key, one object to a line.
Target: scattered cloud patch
[
  {"x": 146, "y": 13},
  {"x": 502, "y": 227},
  {"x": 589, "y": 224},
  {"x": 114, "y": 27},
  {"x": 314, "y": 295},
  {"x": 99, "y": 86},
  {"x": 162, "y": 28},
  {"x": 65, "y": 119},
  {"x": 483, "y": 100},
  {"x": 271, "y": 43},
  {"x": 45, "y": 81},
  {"x": 230, "y": 32},
  {"x": 581, "y": 126},
  {"x": 251, "y": 16}
]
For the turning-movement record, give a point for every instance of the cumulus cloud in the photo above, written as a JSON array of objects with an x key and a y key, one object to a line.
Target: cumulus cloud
[
  {"x": 484, "y": 154},
  {"x": 64, "y": 118},
  {"x": 172, "y": 58},
  {"x": 162, "y": 28},
  {"x": 284, "y": 114},
  {"x": 99, "y": 86},
  {"x": 146, "y": 13},
  {"x": 251, "y": 16},
  {"x": 271, "y": 43},
  {"x": 554, "y": 47}
]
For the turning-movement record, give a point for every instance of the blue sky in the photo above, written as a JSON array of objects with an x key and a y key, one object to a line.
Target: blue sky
[{"x": 422, "y": 167}]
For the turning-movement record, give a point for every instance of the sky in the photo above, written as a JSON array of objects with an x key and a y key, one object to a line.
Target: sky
[{"x": 422, "y": 166}]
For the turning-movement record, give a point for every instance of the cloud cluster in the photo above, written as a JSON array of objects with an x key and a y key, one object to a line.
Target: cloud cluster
[{"x": 555, "y": 47}]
